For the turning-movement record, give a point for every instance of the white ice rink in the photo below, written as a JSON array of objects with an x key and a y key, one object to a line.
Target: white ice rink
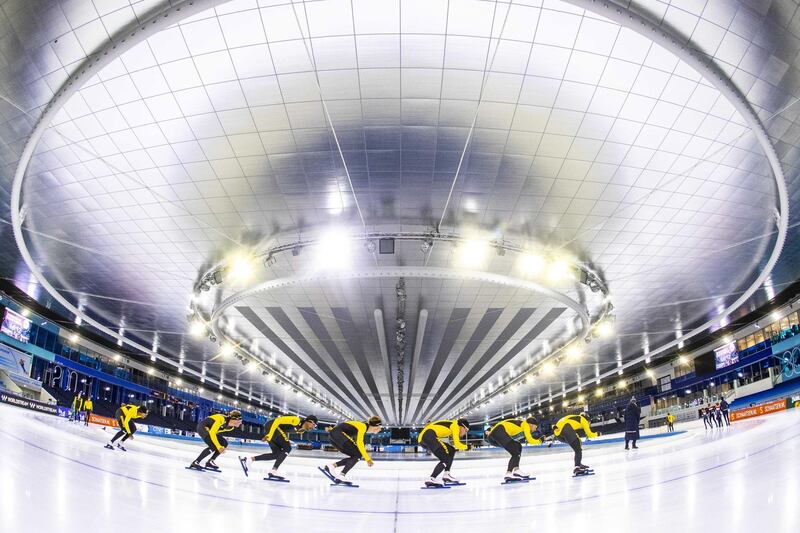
[{"x": 57, "y": 477}]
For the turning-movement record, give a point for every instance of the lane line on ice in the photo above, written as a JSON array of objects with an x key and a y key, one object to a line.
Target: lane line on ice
[{"x": 397, "y": 512}]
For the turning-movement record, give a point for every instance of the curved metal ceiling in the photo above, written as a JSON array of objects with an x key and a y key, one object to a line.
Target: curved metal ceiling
[{"x": 219, "y": 128}]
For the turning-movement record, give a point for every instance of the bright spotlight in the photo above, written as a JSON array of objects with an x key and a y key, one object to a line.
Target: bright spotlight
[
  {"x": 581, "y": 398},
  {"x": 548, "y": 369},
  {"x": 151, "y": 370},
  {"x": 558, "y": 270},
  {"x": 574, "y": 351},
  {"x": 532, "y": 264},
  {"x": 251, "y": 366},
  {"x": 197, "y": 328},
  {"x": 472, "y": 254},
  {"x": 240, "y": 267},
  {"x": 74, "y": 337},
  {"x": 604, "y": 329},
  {"x": 227, "y": 350},
  {"x": 598, "y": 393},
  {"x": 650, "y": 373},
  {"x": 621, "y": 384},
  {"x": 682, "y": 359},
  {"x": 334, "y": 249}
]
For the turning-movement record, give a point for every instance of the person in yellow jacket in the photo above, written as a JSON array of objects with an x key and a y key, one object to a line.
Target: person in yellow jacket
[
  {"x": 670, "y": 422},
  {"x": 566, "y": 430},
  {"x": 276, "y": 436},
  {"x": 88, "y": 406},
  {"x": 348, "y": 438},
  {"x": 209, "y": 430},
  {"x": 502, "y": 434},
  {"x": 125, "y": 416},
  {"x": 431, "y": 438}
]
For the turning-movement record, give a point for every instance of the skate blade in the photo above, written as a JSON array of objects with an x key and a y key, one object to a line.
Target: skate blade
[
  {"x": 201, "y": 469},
  {"x": 454, "y": 483},
  {"x": 324, "y": 473},
  {"x": 584, "y": 474},
  {"x": 276, "y": 480},
  {"x": 434, "y": 487},
  {"x": 349, "y": 485},
  {"x": 517, "y": 481}
]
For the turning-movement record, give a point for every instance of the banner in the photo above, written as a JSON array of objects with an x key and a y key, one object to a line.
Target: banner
[
  {"x": 763, "y": 409},
  {"x": 33, "y": 405},
  {"x": 102, "y": 421},
  {"x": 64, "y": 412}
]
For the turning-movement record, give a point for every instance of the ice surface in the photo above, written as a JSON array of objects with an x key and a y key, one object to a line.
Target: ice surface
[{"x": 56, "y": 476}]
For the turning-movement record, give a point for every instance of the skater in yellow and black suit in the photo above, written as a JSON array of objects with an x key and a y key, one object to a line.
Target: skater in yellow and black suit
[
  {"x": 431, "y": 437},
  {"x": 276, "y": 436},
  {"x": 125, "y": 416},
  {"x": 502, "y": 434},
  {"x": 209, "y": 430},
  {"x": 348, "y": 438},
  {"x": 566, "y": 430}
]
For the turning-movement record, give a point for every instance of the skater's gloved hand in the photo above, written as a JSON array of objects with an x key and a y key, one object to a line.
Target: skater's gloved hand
[{"x": 370, "y": 462}]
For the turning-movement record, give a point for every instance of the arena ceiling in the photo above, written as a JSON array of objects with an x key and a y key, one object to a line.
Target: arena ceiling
[{"x": 144, "y": 144}]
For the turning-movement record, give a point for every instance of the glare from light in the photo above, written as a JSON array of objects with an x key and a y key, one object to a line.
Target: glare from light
[
  {"x": 334, "y": 249},
  {"x": 151, "y": 370},
  {"x": 532, "y": 264},
  {"x": 117, "y": 357},
  {"x": 650, "y": 373},
  {"x": 548, "y": 369},
  {"x": 241, "y": 267},
  {"x": 558, "y": 270},
  {"x": 775, "y": 316},
  {"x": 252, "y": 366},
  {"x": 727, "y": 339},
  {"x": 197, "y": 328},
  {"x": 74, "y": 337},
  {"x": 605, "y": 329},
  {"x": 621, "y": 384},
  {"x": 574, "y": 352},
  {"x": 472, "y": 253},
  {"x": 598, "y": 393},
  {"x": 682, "y": 359},
  {"x": 178, "y": 381},
  {"x": 25, "y": 312},
  {"x": 227, "y": 350},
  {"x": 581, "y": 398},
  {"x": 565, "y": 403}
]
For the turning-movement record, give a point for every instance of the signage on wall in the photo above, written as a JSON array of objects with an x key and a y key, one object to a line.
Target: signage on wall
[
  {"x": 790, "y": 362},
  {"x": 758, "y": 410},
  {"x": 25, "y": 403}
]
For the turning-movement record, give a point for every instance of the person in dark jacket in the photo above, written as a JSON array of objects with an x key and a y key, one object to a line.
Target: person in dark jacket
[
  {"x": 632, "y": 412},
  {"x": 724, "y": 407}
]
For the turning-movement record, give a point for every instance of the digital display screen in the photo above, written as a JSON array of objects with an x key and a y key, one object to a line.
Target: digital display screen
[
  {"x": 401, "y": 433},
  {"x": 726, "y": 355},
  {"x": 16, "y": 326}
]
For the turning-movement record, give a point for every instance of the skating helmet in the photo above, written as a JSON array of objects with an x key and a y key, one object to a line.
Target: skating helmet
[
  {"x": 532, "y": 421},
  {"x": 310, "y": 418},
  {"x": 235, "y": 415}
]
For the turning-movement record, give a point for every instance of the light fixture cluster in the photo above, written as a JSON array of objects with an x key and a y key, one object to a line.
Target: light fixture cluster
[{"x": 334, "y": 250}]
